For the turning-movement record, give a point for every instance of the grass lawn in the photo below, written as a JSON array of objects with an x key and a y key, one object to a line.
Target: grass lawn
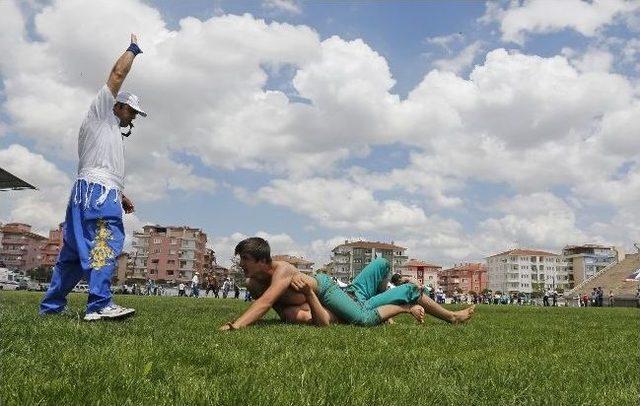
[{"x": 170, "y": 352}]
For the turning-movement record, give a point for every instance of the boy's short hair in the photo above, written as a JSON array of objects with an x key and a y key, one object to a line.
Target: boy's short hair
[{"x": 255, "y": 247}]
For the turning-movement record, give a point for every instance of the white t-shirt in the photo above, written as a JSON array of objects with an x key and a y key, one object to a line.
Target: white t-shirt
[
  {"x": 100, "y": 144},
  {"x": 194, "y": 279}
]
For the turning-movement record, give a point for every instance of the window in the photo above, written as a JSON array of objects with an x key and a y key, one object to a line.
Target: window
[
  {"x": 169, "y": 272},
  {"x": 174, "y": 241},
  {"x": 172, "y": 252},
  {"x": 171, "y": 262},
  {"x": 157, "y": 241}
]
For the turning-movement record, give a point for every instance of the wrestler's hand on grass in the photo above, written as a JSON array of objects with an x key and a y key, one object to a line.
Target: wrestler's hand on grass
[
  {"x": 127, "y": 205},
  {"x": 227, "y": 327}
]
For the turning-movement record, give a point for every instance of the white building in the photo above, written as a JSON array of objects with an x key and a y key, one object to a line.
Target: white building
[{"x": 526, "y": 271}]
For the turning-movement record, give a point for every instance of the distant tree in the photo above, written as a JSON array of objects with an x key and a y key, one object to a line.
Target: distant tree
[{"x": 41, "y": 273}]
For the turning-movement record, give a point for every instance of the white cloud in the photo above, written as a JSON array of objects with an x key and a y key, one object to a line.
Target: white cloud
[
  {"x": 547, "y": 16},
  {"x": 342, "y": 204},
  {"x": 445, "y": 41},
  {"x": 593, "y": 60},
  {"x": 43, "y": 208},
  {"x": 462, "y": 61},
  {"x": 540, "y": 220},
  {"x": 289, "y": 6}
]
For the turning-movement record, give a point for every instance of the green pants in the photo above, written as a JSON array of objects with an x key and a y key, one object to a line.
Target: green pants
[
  {"x": 342, "y": 305},
  {"x": 369, "y": 287},
  {"x": 365, "y": 287}
]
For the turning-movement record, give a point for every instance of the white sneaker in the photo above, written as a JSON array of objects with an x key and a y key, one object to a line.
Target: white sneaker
[{"x": 112, "y": 311}]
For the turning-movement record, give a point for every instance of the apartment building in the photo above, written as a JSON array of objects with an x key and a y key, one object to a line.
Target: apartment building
[
  {"x": 584, "y": 261},
  {"x": 169, "y": 253},
  {"x": 20, "y": 248},
  {"x": 351, "y": 257},
  {"x": 51, "y": 248},
  {"x": 465, "y": 278},
  {"x": 526, "y": 271},
  {"x": 425, "y": 273}
]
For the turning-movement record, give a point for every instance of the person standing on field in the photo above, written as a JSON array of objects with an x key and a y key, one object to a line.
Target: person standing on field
[
  {"x": 195, "y": 285},
  {"x": 93, "y": 233}
]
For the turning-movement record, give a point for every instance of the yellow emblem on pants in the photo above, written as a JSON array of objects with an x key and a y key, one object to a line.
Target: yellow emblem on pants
[{"x": 101, "y": 253}]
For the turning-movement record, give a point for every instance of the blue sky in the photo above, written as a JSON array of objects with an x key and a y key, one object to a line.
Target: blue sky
[{"x": 456, "y": 129}]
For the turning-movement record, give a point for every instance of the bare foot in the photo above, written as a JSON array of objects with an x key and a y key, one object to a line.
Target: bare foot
[
  {"x": 461, "y": 316},
  {"x": 417, "y": 312}
]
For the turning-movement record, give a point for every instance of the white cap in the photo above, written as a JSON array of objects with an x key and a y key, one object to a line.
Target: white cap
[{"x": 131, "y": 100}]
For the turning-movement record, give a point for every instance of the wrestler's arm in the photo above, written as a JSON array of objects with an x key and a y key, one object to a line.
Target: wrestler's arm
[
  {"x": 320, "y": 315},
  {"x": 279, "y": 283},
  {"x": 121, "y": 69}
]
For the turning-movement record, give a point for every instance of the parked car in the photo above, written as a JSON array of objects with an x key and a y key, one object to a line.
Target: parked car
[{"x": 81, "y": 288}]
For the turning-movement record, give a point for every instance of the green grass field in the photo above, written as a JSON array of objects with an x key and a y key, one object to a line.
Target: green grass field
[{"x": 170, "y": 352}]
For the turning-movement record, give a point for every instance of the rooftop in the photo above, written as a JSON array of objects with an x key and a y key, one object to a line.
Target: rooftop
[
  {"x": 466, "y": 267},
  {"x": 370, "y": 244},
  {"x": 416, "y": 262},
  {"x": 519, "y": 251},
  {"x": 291, "y": 259}
]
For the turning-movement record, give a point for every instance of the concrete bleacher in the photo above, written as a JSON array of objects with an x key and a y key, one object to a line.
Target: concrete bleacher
[{"x": 613, "y": 278}]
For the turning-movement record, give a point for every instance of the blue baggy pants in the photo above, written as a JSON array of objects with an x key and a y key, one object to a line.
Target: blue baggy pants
[{"x": 93, "y": 238}]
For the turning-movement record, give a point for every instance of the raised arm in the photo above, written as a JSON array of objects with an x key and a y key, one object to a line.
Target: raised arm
[
  {"x": 279, "y": 284},
  {"x": 123, "y": 66}
]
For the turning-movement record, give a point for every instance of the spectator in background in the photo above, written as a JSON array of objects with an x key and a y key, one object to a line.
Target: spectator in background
[
  {"x": 612, "y": 299},
  {"x": 212, "y": 285},
  {"x": 600, "y": 296},
  {"x": 236, "y": 291},
  {"x": 226, "y": 287},
  {"x": 195, "y": 285},
  {"x": 585, "y": 300},
  {"x": 594, "y": 297},
  {"x": 181, "y": 289}
]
